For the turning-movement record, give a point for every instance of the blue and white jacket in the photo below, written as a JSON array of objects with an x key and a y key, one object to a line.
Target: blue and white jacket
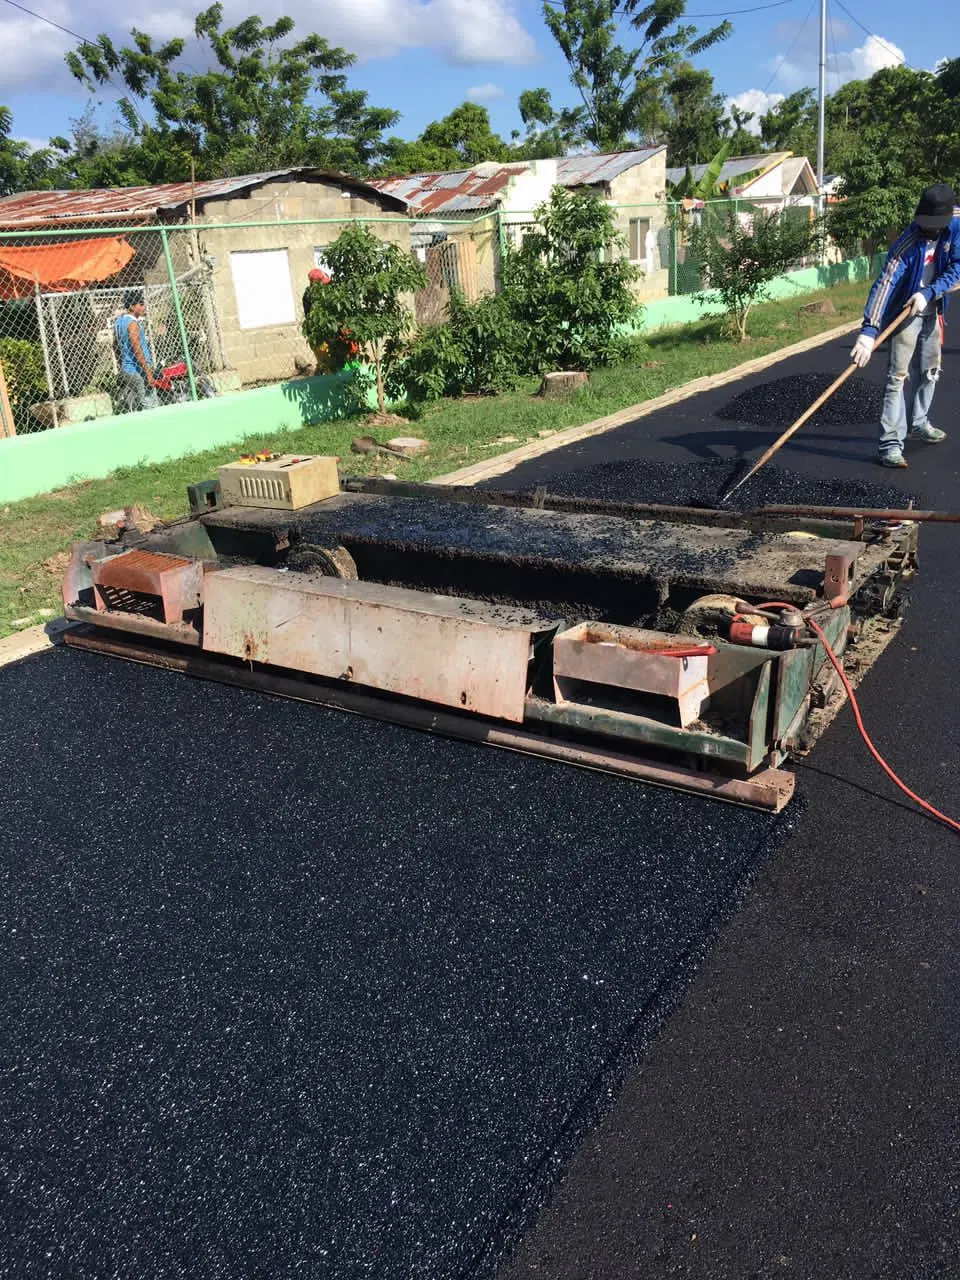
[{"x": 902, "y": 275}]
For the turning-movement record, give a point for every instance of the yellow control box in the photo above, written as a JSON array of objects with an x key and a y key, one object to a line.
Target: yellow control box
[{"x": 287, "y": 481}]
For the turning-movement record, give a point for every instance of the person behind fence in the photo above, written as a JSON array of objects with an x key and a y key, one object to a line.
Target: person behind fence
[
  {"x": 136, "y": 383},
  {"x": 922, "y": 267}
]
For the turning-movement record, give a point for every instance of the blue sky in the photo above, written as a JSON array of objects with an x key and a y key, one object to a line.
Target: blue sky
[{"x": 423, "y": 57}]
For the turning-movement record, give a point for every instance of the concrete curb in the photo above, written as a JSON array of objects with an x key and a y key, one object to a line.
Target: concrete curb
[
  {"x": 31, "y": 641},
  {"x": 502, "y": 462}
]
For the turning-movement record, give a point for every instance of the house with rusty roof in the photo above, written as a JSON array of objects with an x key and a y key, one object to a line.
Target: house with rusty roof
[
  {"x": 239, "y": 249},
  {"x": 634, "y": 182}
]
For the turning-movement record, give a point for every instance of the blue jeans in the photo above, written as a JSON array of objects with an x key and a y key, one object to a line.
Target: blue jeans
[
  {"x": 133, "y": 393},
  {"x": 914, "y": 351}
]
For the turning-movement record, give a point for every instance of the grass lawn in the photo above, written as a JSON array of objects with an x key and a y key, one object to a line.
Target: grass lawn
[{"x": 35, "y": 533}]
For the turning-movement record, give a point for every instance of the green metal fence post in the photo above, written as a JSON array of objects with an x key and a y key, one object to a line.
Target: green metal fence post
[{"x": 188, "y": 359}]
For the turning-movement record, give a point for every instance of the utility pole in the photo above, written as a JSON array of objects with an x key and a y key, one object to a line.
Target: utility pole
[{"x": 821, "y": 101}]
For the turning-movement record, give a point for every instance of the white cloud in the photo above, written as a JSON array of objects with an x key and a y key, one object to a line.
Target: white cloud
[
  {"x": 462, "y": 32},
  {"x": 755, "y": 101},
  {"x": 800, "y": 70},
  {"x": 484, "y": 92},
  {"x": 863, "y": 62}
]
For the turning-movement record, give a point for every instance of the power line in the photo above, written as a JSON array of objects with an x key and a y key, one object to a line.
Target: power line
[
  {"x": 793, "y": 44},
  {"x": 873, "y": 35},
  {"x": 732, "y": 13}
]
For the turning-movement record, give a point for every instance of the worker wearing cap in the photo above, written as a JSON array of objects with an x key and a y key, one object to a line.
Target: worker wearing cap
[
  {"x": 136, "y": 383},
  {"x": 321, "y": 352},
  {"x": 922, "y": 267}
]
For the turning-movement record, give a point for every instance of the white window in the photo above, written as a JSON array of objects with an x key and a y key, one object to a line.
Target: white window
[
  {"x": 639, "y": 233},
  {"x": 261, "y": 282}
]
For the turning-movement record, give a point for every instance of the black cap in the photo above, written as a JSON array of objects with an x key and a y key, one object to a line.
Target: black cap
[
  {"x": 132, "y": 297},
  {"x": 936, "y": 207}
]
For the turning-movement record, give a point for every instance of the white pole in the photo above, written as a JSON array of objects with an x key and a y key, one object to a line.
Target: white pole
[{"x": 822, "y": 99}]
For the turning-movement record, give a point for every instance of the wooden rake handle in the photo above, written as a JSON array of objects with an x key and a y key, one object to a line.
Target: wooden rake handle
[{"x": 820, "y": 401}]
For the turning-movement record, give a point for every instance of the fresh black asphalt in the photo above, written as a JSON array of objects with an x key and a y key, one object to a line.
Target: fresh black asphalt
[
  {"x": 287, "y": 993},
  {"x": 798, "y": 1117}
]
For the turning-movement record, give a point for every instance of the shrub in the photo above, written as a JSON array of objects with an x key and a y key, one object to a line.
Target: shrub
[
  {"x": 26, "y": 378},
  {"x": 741, "y": 259},
  {"x": 364, "y": 301},
  {"x": 568, "y": 286},
  {"x": 476, "y": 351}
]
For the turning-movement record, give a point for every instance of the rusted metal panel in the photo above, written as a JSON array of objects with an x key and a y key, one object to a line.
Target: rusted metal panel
[
  {"x": 457, "y": 653},
  {"x": 177, "y": 582},
  {"x": 577, "y": 171},
  {"x": 142, "y": 204},
  {"x": 769, "y": 789},
  {"x": 632, "y": 658}
]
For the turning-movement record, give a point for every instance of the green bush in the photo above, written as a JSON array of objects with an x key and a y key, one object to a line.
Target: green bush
[
  {"x": 476, "y": 351},
  {"x": 26, "y": 378},
  {"x": 568, "y": 287}
]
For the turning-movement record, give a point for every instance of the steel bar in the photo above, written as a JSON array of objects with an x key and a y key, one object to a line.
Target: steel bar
[
  {"x": 862, "y": 513},
  {"x": 770, "y": 790}
]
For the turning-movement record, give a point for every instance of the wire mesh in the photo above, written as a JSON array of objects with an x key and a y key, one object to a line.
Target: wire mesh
[{"x": 227, "y": 300}]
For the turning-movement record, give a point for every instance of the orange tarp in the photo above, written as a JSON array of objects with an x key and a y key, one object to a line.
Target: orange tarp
[{"x": 60, "y": 268}]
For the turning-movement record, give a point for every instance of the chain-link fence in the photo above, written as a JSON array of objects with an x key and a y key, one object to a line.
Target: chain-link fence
[{"x": 214, "y": 307}]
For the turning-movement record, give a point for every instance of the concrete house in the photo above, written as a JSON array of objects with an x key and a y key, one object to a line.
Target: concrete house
[
  {"x": 239, "y": 285},
  {"x": 775, "y": 180},
  {"x": 634, "y": 181}
]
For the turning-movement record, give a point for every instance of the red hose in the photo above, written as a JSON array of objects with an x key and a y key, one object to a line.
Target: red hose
[{"x": 928, "y": 808}]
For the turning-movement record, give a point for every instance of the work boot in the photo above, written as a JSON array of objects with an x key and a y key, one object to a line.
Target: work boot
[
  {"x": 893, "y": 459},
  {"x": 932, "y": 435}
]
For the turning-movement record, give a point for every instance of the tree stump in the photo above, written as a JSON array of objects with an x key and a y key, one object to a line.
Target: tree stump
[
  {"x": 822, "y": 308},
  {"x": 409, "y": 446},
  {"x": 556, "y": 385}
]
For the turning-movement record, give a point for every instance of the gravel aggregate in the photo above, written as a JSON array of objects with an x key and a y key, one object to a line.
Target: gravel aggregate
[
  {"x": 288, "y": 993},
  {"x": 698, "y": 483},
  {"x": 780, "y": 402}
]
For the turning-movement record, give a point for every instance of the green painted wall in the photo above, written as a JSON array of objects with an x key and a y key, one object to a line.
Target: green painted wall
[
  {"x": 44, "y": 460},
  {"x": 682, "y": 310}
]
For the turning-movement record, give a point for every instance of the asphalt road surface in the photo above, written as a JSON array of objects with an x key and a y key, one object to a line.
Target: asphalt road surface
[
  {"x": 798, "y": 1116},
  {"x": 288, "y": 993}
]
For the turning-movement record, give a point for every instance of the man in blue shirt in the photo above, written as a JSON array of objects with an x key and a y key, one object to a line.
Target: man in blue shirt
[
  {"x": 136, "y": 383},
  {"x": 922, "y": 267}
]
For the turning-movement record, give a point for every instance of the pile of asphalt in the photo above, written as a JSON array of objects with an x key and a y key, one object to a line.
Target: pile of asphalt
[
  {"x": 782, "y": 401},
  {"x": 291, "y": 993},
  {"x": 701, "y": 483}
]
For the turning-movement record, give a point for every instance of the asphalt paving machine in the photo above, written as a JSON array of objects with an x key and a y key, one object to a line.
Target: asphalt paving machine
[{"x": 665, "y": 643}]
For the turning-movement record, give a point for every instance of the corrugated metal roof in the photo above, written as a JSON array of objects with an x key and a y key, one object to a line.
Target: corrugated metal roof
[
  {"x": 473, "y": 190},
  {"x": 736, "y": 167},
  {"x": 461, "y": 191},
  {"x": 140, "y": 204},
  {"x": 583, "y": 171}
]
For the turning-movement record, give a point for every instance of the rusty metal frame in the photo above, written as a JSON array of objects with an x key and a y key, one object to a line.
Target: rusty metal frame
[{"x": 770, "y": 790}]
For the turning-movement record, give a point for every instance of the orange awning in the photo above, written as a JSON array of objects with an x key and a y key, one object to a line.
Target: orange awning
[{"x": 60, "y": 268}]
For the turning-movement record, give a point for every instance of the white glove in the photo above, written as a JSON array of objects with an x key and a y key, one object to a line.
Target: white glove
[
  {"x": 862, "y": 350},
  {"x": 917, "y": 304}
]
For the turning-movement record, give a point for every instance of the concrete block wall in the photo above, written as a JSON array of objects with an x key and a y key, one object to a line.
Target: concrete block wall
[
  {"x": 640, "y": 192},
  {"x": 275, "y": 352}
]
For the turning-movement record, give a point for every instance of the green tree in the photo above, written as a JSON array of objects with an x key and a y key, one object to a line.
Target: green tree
[
  {"x": 900, "y": 135},
  {"x": 262, "y": 103},
  {"x": 622, "y": 89},
  {"x": 740, "y": 256},
  {"x": 791, "y": 125},
  {"x": 364, "y": 301},
  {"x": 548, "y": 132},
  {"x": 742, "y": 141},
  {"x": 567, "y": 286},
  {"x": 695, "y": 116},
  {"x": 458, "y": 141}
]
